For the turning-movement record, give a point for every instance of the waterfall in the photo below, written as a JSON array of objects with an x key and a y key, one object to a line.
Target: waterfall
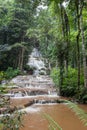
[
  {"x": 37, "y": 62},
  {"x": 36, "y": 85}
]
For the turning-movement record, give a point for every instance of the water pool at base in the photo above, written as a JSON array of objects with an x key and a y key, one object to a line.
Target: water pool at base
[{"x": 64, "y": 116}]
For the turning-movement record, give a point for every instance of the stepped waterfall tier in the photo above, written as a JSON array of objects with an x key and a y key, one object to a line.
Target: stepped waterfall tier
[{"x": 33, "y": 86}]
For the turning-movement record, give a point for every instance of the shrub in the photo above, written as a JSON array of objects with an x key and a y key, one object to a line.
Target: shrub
[
  {"x": 13, "y": 121},
  {"x": 83, "y": 95},
  {"x": 3, "y": 89},
  {"x": 69, "y": 86},
  {"x": 29, "y": 69},
  {"x": 10, "y": 73},
  {"x": 10, "y": 120},
  {"x": 2, "y": 76},
  {"x": 55, "y": 76}
]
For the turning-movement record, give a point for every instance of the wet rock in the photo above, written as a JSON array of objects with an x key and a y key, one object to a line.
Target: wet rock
[{"x": 29, "y": 104}]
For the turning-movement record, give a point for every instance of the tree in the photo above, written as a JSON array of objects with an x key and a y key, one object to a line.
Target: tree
[
  {"x": 20, "y": 16},
  {"x": 83, "y": 45}
]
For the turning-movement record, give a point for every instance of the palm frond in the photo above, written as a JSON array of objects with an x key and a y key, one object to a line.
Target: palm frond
[
  {"x": 53, "y": 125},
  {"x": 79, "y": 112}
]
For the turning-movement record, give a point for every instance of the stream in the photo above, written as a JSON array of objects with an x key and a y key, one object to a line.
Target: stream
[
  {"x": 35, "y": 94},
  {"x": 44, "y": 95}
]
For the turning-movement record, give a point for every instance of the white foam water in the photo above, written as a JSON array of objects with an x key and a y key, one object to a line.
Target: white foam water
[{"x": 30, "y": 109}]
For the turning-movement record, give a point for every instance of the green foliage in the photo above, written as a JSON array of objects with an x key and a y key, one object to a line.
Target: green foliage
[
  {"x": 10, "y": 73},
  {"x": 28, "y": 68},
  {"x": 16, "y": 16},
  {"x": 2, "y": 76},
  {"x": 83, "y": 95},
  {"x": 69, "y": 86},
  {"x": 10, "y": 121},
  {"x": 3, "y": 89},
  {"x": 55, "y": 76}
]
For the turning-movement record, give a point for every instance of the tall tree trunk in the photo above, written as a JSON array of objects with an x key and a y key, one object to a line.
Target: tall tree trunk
[
  {"x": 62, "y": 20},
  {"x": 19, "y": 58},
  {"x": 78, "y": 59},
  {"x": 84, "y": 53},
  {"x": 67, "y": 40},
  {"x": 77, "y": 38},
  {"x": 22, "y": 57},
  {"x": 65, "y": 32},
  {"x": 61, "y": 76}
]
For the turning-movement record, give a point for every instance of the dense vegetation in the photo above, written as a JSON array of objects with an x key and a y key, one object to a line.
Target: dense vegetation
[{"x": 58, "y": 29}]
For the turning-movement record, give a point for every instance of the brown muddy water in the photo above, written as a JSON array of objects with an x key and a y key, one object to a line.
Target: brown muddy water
[
  {"x": 33, "y": 119},
  {"x": 64, "y": 116}
]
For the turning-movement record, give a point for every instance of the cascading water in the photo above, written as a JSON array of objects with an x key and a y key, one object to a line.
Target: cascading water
[
  {"x": 34, "y": 86},
  {"x": 36, "y": 61}
]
